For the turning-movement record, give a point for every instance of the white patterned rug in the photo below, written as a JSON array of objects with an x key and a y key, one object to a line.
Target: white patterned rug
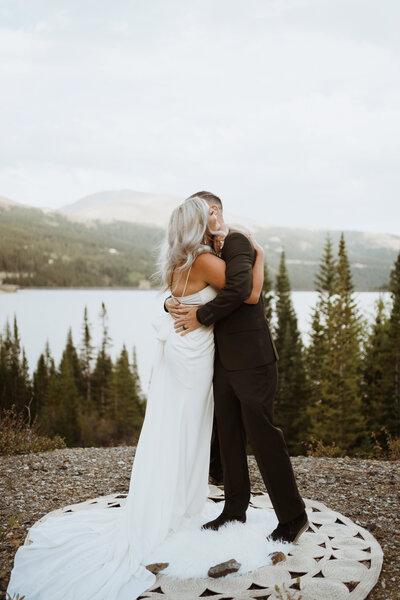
[{"x": 335, "y": 559}]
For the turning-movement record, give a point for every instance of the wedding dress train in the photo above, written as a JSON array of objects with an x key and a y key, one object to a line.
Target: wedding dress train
[{"x": 101, "y": 554}]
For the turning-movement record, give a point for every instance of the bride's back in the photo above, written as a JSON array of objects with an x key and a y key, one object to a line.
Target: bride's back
[{"x": 187, "y": 282}]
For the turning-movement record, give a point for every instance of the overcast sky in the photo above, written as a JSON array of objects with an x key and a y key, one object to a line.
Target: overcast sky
[{"x": 287, "y": 109}]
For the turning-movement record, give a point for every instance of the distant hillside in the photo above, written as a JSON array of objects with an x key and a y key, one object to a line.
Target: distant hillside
[
  {"x": 48, "y": 249},
  {"x": 371, "y": 255},
  {"x": 52, "y": 248}
]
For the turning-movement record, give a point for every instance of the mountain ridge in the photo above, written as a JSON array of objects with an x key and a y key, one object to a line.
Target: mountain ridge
[
  {"x": 136, "y": 199},
  {"x": 121, "y": 252}
]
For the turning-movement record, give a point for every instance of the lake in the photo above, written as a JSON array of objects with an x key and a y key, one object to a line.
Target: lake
[{"x": 45, "y": 314}]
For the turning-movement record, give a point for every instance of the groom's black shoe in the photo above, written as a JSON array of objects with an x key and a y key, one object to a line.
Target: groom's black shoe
[
  {"x": 291, "y": 530},
  {"x": 215, "y": 480},
  {"x": 221, "y": 520}
]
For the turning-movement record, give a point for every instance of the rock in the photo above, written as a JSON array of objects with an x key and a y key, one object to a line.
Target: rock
[
  {"x": 155, "y": 568},
  {"x": 277, "y": 557},
  {"x": 222, "y": 569}
]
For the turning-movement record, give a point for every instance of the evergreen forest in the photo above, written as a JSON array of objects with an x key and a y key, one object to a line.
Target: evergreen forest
[
  {"x": 86, "y": 400},
  {"x": 338, "y": 395}
]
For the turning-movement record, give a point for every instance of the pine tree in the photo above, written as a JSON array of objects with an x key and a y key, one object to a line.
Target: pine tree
[
  {"x": 376, "y": 378},
  {"x": 3, "y": 374},
  {"x": 384, "y": 400},
  {"x": 15, "y": 367},
  {"x": 70, "y": 353},
  {"x": 69, "y": 401},
  {"x": 48, "y": 415},
  {"x": 86, "y": 358},
  {"x": 394, "y": 340},
  {"x": 340, "y": 419},
  {"x": 62, "y": 408},
  {"x": 7, "y": 395},
  {"x": 325, "y": 280},
  {"x": 292, "y": 392},
  {"x": 15, "y": 345},
  {"x": 138, "y": 388},
  {"x": 15, "y": 384},
  {"x": 127, "y": 410},
  {"x": 44, "y": 370},
  {"x": 320, "y": 343},
  {"x": 103, "y": 370},
  {"x": 25, "y": 393}
]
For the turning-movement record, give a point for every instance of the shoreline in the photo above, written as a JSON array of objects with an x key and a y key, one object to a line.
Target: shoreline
[{"x": 136, "y": 289}]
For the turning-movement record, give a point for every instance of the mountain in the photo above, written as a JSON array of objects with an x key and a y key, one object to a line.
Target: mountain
[
  {"x": 371, "y": 255},
  {"x": 6, "y": 202},
  {"x": 123, "y": 205},
  {"x": 111, "y": 239},
  {"x": 132, "y": 207}
]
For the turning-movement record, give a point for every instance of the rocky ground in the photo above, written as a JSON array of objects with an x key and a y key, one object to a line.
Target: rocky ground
[{"x": 366, "y": 491}]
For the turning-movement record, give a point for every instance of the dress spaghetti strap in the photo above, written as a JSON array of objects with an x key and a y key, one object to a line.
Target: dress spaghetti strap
[
  {"x": 186, "y": 282},
  {"x": 187, "y": 279}
]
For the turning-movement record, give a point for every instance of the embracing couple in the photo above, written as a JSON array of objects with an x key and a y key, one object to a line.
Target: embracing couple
[
  {"x": 244, "y": 372},
  {"x": 213, "y": 384}
]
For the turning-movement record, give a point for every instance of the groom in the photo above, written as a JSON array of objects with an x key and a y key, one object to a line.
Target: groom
[{"x": 245, "y": 382}]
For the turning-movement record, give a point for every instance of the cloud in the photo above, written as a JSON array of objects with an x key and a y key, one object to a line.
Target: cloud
[{"x": 289, "y": 109}]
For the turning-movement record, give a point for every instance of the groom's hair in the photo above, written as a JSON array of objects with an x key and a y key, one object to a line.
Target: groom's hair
[{"x": 209, "y": 198}]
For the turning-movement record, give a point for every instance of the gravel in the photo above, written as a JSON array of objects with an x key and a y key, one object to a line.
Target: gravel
[{"x": 31, "y": 485}]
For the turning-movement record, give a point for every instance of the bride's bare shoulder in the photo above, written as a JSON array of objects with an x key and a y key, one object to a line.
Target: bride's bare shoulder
[
  {"x": 205, "y": 258},
  {"x": 206, "y": 261}
]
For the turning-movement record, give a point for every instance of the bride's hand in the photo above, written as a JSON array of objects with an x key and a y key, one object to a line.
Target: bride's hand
[
  {"x": 172, "y": 305},
  {"x": 218, "y": 243},
  {"x": 257, "y": 247},
  {"x": 175, "y": 307},
  {"x": 187, "y": 320}
]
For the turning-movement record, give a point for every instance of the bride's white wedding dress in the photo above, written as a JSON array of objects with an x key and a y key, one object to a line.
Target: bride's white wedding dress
[{"x": 101, "y": 554}]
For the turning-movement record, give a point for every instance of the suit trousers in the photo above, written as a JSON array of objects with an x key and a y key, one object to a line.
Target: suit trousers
[
  {"x": 215, "y": 455},
  {"x": 244, "y": 407}
]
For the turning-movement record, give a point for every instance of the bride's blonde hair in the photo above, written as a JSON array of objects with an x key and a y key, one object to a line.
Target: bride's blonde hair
[{"x": 186, "y": 237}]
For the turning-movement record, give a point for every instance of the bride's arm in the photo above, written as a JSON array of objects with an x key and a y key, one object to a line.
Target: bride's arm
[{"x": 212, "y": 269}]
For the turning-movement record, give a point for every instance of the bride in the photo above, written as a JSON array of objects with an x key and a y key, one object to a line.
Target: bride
[{"x": 102, "y": 553}]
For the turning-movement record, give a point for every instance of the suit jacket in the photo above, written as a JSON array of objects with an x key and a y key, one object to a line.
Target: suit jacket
[{"x": 242, "y": 335}]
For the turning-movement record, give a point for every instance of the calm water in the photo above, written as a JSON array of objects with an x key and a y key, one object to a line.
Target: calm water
[{"x": 47, "y": 314}]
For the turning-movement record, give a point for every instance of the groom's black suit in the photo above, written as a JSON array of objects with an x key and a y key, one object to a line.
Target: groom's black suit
[{"x": 245, "y": 381}]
